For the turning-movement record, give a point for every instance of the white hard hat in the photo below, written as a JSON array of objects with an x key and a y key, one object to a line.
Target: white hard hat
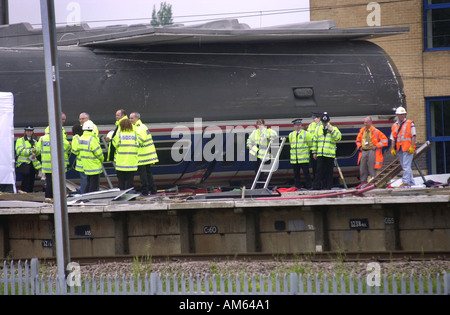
[
  {"x": 88, "y": 125},
  {"x": 400, "y": 110}
]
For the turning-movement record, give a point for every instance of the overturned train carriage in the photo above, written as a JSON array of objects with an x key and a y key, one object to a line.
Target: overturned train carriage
[{"x": 221, "y": 74}]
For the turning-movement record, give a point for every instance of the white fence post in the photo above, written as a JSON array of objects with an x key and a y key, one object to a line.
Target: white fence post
[
  {"x": 34, "y": 274},
  {"x": 447, "y": 283}
]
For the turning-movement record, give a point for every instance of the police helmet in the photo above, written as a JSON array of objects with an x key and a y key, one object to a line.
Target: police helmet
[{"x": 325, "y": 117}]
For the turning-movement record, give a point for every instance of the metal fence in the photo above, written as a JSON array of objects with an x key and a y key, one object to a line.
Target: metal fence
[{"x": 24, "y": 279}]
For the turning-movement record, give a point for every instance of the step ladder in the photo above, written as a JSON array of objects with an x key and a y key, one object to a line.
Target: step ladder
[
  {"x": 272, "y": 154},
  {"x": 110, "y": 164},
  {"x": 382, "y": 179}
]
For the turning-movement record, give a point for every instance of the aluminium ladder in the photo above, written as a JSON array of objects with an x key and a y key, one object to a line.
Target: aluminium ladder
[
  {"x": 274, "y": 157},
  {"x": 105, "y": 146},
  {"x": 382, "y": 179}
]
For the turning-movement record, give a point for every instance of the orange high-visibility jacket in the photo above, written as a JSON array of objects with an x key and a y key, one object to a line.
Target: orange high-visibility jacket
[
  {"x": 378, "y": 139},
  {"x": 402, "y": 137}
]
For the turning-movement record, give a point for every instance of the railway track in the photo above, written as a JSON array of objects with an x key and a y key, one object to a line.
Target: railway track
[{"x": 254, "y": 257}]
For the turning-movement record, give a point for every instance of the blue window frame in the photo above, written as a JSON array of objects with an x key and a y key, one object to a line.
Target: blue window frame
[
  {"x": 436, "y": 24},
  {"x": 438, "y": 133}
]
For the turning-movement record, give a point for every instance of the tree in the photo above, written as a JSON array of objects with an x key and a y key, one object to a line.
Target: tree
[{"x": 164, "y": 15}]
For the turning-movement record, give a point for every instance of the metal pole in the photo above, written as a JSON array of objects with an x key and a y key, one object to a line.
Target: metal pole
[
  {"x": 56, "y": 137},
  {"x": 4, "y": 12}
]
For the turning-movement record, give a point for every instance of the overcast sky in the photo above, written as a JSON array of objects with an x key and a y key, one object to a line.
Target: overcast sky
[{"x": 256, "y": 13}]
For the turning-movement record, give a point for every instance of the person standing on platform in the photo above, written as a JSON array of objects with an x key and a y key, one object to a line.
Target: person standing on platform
[
  {"x": 26, "y": 163},
  {"x": 91, "y": 156},
  {"x": 77, "y": 132},
  {"x": 403, "y": 145},
  {"x": 146, "y": 155},
  {"x": 370, "y": 142},
  {"x": 120, "y": 115},
  {"x": 126, "y": 143},
  {"x": 67, "y": 146},
  {"x": 311, "y": 129},
  {"x": 258, "y": 143},
  {"x": 43, "y": 148},
  {"x": 324, "y": 151},
  {"x": 85, "y": 117},
  {"x": 300, "y": 142}
]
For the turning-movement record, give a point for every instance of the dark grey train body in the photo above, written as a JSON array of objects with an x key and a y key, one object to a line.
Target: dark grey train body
[{"x": 215, "y": 81}]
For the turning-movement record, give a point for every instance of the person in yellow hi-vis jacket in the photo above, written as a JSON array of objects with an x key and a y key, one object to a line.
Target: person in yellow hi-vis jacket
[
  {"x": 300, "y": 142},
  {"x": 311, "y": 129},
  {"x": 26, "y": 163},
  {"x": 120, "y": 115},
  {"x": 126, "y": 160},
  {"x": 146, "y": 155},
  {"x": 90, "y": 156},
  {"x": 43, "y": 148},
  {"x": 258, "y": 143},
  {"x": 324, "y": 150}
]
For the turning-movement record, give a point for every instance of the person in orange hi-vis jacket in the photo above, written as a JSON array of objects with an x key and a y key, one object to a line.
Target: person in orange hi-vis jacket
[
  {"x": 403, "y": 139},
  {"x": 370, "y": 143}
]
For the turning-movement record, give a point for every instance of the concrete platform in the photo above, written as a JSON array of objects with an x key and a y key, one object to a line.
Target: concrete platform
[{"x": 381, "y": 220}]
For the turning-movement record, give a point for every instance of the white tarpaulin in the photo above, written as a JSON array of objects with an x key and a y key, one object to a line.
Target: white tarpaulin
[{"x": 7, "y": 171}]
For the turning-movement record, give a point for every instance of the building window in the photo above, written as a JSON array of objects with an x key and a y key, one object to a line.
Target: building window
[
  {"x": 438, "y": 125},
  {"x": 437, "y": 24}
]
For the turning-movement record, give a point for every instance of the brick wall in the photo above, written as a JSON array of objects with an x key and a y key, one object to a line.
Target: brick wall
[{"x": 421, "y": 71}]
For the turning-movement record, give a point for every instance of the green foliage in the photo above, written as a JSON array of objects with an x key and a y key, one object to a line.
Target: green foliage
[{"x": 163, "y": 16}]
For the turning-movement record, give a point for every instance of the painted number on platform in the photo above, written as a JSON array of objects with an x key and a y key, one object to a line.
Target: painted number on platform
[
  {"x": 359, "y": 224},
  {"x": 47, "y": 243},
  {"x": 83, "y": 230},
  {"x": 388, "y": 220},
  {"x": 210, "y": 229}
]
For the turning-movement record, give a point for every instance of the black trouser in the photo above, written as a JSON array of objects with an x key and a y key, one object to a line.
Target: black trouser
[
  {"x": 48, "y": 185},
  {"x": 305, "y": 168},
  {"x": 27, "y": 184},
  {"x": 126, "y": 179},
  {"x": 313, "y": 165},
  {"x": 146, "y": 177},
  {"x": 324, "y": 175},
  {"x": 93, "y": 182}
]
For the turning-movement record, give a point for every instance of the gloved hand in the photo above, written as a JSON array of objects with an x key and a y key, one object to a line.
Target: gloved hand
[
  {"x": 411, "y": 149},
  {"x": 393, "y": 152}
]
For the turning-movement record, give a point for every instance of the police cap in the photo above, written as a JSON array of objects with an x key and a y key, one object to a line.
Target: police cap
[
  {"x": 316, "y": 114},
  {"x": 29, "y": 128},
  {"x": 297, "y": 121}
]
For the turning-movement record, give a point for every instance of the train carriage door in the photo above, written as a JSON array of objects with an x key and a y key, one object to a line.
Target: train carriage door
[{"x": 438, "y": 133}]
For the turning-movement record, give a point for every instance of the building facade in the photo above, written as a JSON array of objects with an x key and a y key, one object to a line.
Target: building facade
[{"x": 422, "y": 57}]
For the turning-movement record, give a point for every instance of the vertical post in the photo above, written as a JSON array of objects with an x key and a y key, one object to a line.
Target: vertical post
[
  {"x": 56, "y": 137},
  {"x": 34, "y": 274},
  {"x": 447, "y": 283},
  {"x": 4, "y": 12}
]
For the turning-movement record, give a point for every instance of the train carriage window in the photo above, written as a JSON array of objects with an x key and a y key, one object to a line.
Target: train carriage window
[
  {"x": 164, "y": 151},
  {"x": 235, "y": 150},
  {"x": 304, "y": 96},
  {"x": 347, "y": 146}
]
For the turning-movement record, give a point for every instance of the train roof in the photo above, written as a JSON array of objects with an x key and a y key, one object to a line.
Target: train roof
[{"x": 221, "y": 31}]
